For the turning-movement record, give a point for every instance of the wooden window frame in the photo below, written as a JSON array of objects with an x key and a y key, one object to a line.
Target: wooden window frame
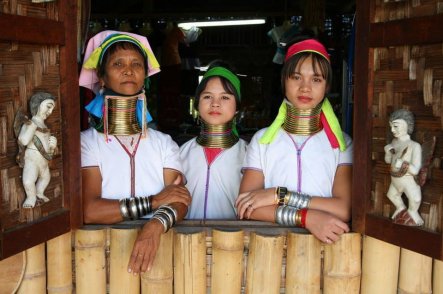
[
  {"x": 368, "y": 36},
  {"x": 64, "y": 34}
]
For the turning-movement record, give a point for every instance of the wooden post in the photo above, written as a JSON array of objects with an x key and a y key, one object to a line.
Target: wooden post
[
  {"x": 59, "y": 259},
  {"x": 12, "y": 270},
  {"x": 437, "y": 287},
  {"x": 227, "y": 257},
  {"x": 34, "y": 280},
  {"x": 303, "y": 264},
  {"x": 415, "y": 273},
  {"x": 264, "y": 264},
  {"x": 379, "y": 267},
  {"x": 159, "y": 279},
  {"x": 190, "y": 263},
  {"x": 342, "y": 262},
  {"x": 120, "y": 281},
  {"x": 90, "y": 261}
]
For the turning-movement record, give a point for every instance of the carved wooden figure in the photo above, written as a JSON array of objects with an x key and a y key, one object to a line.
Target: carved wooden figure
[
  {"x": 36, "y": 147},
  {"x": 405, "y": 157}
]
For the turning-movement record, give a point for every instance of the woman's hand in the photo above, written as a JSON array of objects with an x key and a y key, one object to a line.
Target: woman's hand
[
  {"x": 176, "y": 192},
  {"x": 145, "y": 247},
  {"x": 248, "y": 201},
  {"x": 326, "y": 227}
]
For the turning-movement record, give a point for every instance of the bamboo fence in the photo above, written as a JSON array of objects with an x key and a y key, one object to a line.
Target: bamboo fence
[{"x": 222, "y": 261}]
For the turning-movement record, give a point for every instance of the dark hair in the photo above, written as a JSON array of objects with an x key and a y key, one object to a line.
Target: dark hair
[
  {"x": 227, "y": 86},
  {"x": 405, "y": 115},
  {"x": 115, "y": 47},
  {"x": 318, "y": 62},
  {"x": 37, "y": 99}
]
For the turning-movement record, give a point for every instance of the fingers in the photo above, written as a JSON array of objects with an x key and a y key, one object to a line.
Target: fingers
[
  {"x": 243, "y": 206},
  {"x": 249, "y": 211},
  {"x": 135, "y": 261},
  {"x": 240, "y": 198}
]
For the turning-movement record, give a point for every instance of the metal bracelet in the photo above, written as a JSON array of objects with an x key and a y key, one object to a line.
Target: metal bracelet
[
  {"x": 139, "y": 204},
  {"x": 286, "y": 215},
  {"x": 298, "y": 200},
  {"x": 133, "y": 210},
  {"x": 124, "y": 209},
  {"x": 163, "y": 221},
  {"x": 171, "y": 211}
]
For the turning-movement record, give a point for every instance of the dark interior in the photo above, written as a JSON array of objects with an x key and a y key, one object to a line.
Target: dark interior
[{"x": 249, "y": 49}]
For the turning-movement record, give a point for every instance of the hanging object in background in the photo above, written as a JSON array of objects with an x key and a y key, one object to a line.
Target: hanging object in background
[
  {"x": 125, "y": 26},
  {"x": 145, "y": 29}
]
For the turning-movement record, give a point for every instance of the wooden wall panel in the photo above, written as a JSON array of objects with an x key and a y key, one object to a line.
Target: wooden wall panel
[
  {"x": 403, "y": 44},
  {"x": 38, "y": 50}
]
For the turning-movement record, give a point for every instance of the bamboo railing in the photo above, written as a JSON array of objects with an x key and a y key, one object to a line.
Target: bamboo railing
[{"x": 255, "y": 258}]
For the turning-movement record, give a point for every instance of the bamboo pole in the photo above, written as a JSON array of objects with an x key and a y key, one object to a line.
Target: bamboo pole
[
  {"x": 190, "y": 263},
  {"x": 59, "y": 259},
  {"x": 342, "y": 262},
  {"x": 437, "y": 287},
  {"x": 415, "y": 273},
  {"x": 120, "y": 281},
  {"x": 34, "y": 280},
  {"x": 227, "y": 256},
  {"x": 12, "y": 270},
  {"x": 264, "y": 264},
  {"x": 379, "y": 267},
  {"x": 303, "y": 264},
  {"x": 159, "y": 279},
  {"x": 90, "y": 261}
]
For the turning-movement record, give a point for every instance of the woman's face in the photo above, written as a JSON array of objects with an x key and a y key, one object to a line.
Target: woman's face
[
  {"x": 305, "y": 89},
  {"x": 124, "y": 72},
  {"x": 215, "y": 105},
  {"x": 45, "y": 108}
]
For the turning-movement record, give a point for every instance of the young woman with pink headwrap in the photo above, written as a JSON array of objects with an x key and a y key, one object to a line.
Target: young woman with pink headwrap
[
  {"x": 128, "y": 170},
  {"x": 297, "y": 172}
]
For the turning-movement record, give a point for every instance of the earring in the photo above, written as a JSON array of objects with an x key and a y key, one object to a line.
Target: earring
[{"x": 102, "y": 90}]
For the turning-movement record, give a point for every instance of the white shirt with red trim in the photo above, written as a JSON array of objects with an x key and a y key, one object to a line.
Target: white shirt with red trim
[
  {"x": 215, "y": 186},
  {"x": 307, "y": 165},
  {"x": 155, "y": 152}
]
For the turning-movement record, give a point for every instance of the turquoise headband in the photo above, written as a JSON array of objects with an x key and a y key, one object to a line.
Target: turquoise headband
[{"x": 227, "y": 74}]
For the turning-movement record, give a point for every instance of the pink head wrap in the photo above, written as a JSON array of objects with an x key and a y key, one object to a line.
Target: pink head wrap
[
  {"x": 310, "y": 45},
  {"x": 88, "y": 77}
]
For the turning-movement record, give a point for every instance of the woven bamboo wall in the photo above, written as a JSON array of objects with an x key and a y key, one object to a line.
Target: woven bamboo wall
[
  {"x": 408, "y": 77},
  {"x": 387, "y": 10},
  {"x": 25, "y": 69}
]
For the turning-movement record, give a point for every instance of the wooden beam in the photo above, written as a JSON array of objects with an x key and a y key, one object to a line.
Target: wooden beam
[
  {"x": 32, "y": 234},
  {"x": 413, "y": 238},
  {"x": 361, "y": 178},
  {"x": 31, "y": 30},
  {"x": 70, "y": 109},
  {"x": 411, "y": 31}
]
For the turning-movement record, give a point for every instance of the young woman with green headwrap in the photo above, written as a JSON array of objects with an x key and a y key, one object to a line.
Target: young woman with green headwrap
[
  {"x": 212, "y": 161},
  {"x": 297, "y": 172}
]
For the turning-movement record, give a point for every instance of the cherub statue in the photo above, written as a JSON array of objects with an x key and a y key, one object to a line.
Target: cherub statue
[
  {"x": 36, "y": 147},
  {"x": 405, "y": 157}
]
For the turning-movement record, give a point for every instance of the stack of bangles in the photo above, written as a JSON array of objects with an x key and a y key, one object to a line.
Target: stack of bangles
[
  {"x": 135, "y": 207},
  {"x": 166, "y": 215},
  {"x": 292, "y": 207}
]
